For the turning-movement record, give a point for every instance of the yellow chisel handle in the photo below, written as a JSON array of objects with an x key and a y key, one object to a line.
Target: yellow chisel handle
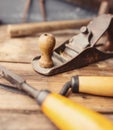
[
  {"x": 96, "y": 85},
  {"x": 67, "y": 115}
]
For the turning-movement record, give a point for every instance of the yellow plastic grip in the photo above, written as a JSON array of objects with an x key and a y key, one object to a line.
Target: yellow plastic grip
[
  {"x": 96, "y": 85},
  {"x": 67, "y": 115}
]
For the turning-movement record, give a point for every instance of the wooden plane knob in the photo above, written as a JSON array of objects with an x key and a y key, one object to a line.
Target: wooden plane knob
[{"x": 46, "y": 45}]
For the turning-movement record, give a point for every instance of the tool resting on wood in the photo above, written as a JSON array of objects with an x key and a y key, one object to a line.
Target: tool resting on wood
[
  {"x": 33, "y": 28},
  {"x": 96, "y": 85},
  {"x": 93, "y": 43},
  {"x": 65, "y": 114}
]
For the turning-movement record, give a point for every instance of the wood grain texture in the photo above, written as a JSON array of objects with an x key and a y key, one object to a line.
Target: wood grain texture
[
  {"x": 24, "y": 49},
  {"x": 54, "y": 83},
  {"x": 20, "y": 111},
  {"x": 35, "y": 121},
  {"x": 24, "y": 121}
]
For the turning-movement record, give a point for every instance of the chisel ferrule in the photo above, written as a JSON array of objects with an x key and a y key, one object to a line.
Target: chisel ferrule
[
  {"x": 75, "y": 84},
  {"x": 42, "y": 96}
]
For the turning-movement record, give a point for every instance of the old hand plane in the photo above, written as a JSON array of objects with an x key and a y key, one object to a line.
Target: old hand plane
[{"x": 92, "y": 44}]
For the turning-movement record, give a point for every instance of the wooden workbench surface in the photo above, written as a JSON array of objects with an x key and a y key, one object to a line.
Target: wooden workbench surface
[{"x": 20, "y": 112}]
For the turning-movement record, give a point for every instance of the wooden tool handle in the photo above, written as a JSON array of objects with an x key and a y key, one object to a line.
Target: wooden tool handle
[
  {"x": 32, "y": 28},
  {"x": 67, "y": 115},
  {"x": 46, "y": 43},
  {"x": 96, "y": 85}
]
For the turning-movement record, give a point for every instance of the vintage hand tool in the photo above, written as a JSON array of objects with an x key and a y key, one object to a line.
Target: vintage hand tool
[
  {"x": 65, "y": 114},
  {"x": 94, "y": 43},
  {"x": 96, "y": 85}
]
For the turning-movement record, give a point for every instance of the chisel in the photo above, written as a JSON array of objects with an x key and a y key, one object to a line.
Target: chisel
[
  {"x": 65, "y": 114},
  {"x": 96, "y": 85}
]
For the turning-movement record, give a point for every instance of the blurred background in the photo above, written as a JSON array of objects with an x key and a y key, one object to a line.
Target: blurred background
[{"x": 20, "y": 11}]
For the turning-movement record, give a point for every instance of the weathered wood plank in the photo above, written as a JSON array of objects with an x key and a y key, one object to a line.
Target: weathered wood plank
[
  {"x": 24, "y": 121},
  {"x": 55, "y": 83},
  {"x": 24, "y": 49},
  {"x": 27, "y": 121},
  {"x": 19, "y": 110},
  {"x": 9, "y": 101}
]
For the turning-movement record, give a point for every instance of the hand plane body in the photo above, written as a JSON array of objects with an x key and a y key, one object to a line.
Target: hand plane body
[{"x": 92, "y": 44}]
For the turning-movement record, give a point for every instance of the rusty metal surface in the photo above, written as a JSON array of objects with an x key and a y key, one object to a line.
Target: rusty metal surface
[{"x": 87, "y": 47}]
